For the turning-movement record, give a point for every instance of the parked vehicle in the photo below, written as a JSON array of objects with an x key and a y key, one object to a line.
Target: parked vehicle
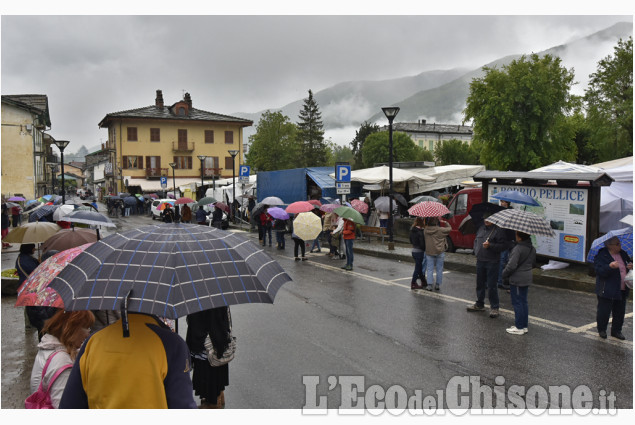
[
  {"x": 156, "y": 214},
  {"x": 460, "y": 206}
]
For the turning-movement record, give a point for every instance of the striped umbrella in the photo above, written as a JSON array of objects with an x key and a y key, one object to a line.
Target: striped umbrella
[
  {"x": 170, "y": 270},
  {"x": 428, "y": 209},
  {"x": 43, "y": 211},
  {"x": 522, "y": 221}
]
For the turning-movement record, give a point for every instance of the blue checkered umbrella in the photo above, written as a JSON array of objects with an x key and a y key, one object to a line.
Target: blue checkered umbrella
[
  {"x": 43, "y": 211},
  {"x": 170, "y": 270},
  {"x": 624, "y": 235},
  {"x": 522, "y": 221}
]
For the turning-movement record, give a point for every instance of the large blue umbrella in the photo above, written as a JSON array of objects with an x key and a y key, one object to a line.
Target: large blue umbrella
[
  {"x": 624, "y": 235},
  {"x": 130, "y": 200},
  {"x": 43, "y": 211},
  {"x": 516, "y": 197}
]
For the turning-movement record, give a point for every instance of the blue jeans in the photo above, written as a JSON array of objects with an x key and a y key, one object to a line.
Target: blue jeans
[
  {"x": 266, "y": 230},
  {"x": 503, "y": 263},
  {"x": 383, "y": 222},
  {"x": 435, "y": 262},
  {"x": 486, "y": 276},
  {"x": 316, "y": 242},
  {"x": 521, "y": 308},
  {"x": 280, "y": 238},
  {"x": 420, "y": 267},
  {"x": 349, "y": 251}
]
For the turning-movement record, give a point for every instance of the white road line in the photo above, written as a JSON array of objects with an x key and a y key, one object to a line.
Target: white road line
[{"x": 538, "y": 321}]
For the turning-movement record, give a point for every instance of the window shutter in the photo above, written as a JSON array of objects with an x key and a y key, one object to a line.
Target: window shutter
[
  {"x": 140, "y": 164},
  {"x": 159, "y": 163},
  {"x": 189, "y": 162},
  {"x": 176, "y": 161},
  {"x": 124, "y": 159},
  {"x": 229, "y": 137}
]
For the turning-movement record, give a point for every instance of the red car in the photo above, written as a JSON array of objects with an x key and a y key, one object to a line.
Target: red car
[{"x": 459, "y": 207}]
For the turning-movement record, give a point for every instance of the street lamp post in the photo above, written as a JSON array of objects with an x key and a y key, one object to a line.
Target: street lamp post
[
  {"x": 120, "y": 179},
  {"x": 52, "y": 166},
  {"x": 390, "y": 112},
  {"x": 202, "y": 158},
  {"x": 233, "y": 153},
  {"x": 173, "y": 164},
  {"x": 61, "y": 145}
]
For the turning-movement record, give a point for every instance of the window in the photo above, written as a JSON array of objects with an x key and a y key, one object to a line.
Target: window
[
  {"x": 229, "y": 137},
  {"x": 459, "y": 204},
  {"x": 228, "y": 163},
  {"x": 431, "y": 144},
  {"x": 182, "y": 139},
  {"x": 153, "y": 162},
  {"x": 133, "y": 162},
  {"x": 132, "y": 134},
  {"x": 181, "y": 111},
  {"x": 183, "y": 162},
  {"x": 209, "y": 136},
  {"x": 155, "y": 134}
]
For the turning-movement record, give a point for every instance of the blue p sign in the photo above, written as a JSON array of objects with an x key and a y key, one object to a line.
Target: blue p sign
[
  {"x": 343, "y": 173},
  {"x": 244, "y": 170},
  {"x": 164, "y": 180}
]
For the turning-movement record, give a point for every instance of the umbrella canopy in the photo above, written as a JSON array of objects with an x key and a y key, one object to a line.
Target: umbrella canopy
[
  {"x": 36, "y": 232},
  {"x": 170, "y": 270},
  {"x": 32, "y": 201},
  {"x": 522, "y": 221},
  {"x": 299, "y": 207},
  {"x": 16, "y": 199},
  {"x": 61, "y": 213},
  {"x": 206, "y": 201},
  {"x": 222, "y": 206},
  {"x": 89, "y": 205},
  {"x": 350, "y": 214},
  {"x": 152, "y": 195},
  {"x": 479, "y": 210},
  {"x": 35, "y": 291},
  {"x": 381, "y": 204},
  {"x": 399, "y": 198},
  {"x": 123, "y": 194},
  {"x": 315, "y": 202},
  {"x": 164, "y": 205},
  {"x": 90, "y": 217},
  {"x": 428, "y": 209},
  {"x": 139, "y": 196},
  {"x": 307, "y": 226},
  {"x": 272, "y": 200},
  {"x": 467, "y": 226},
  {"x": 278, "y": 213},
  {"x": 11, "y": 204},
  {"x": 37, "y": 213},
  {"x": 624, "y": 235},
  {"x": 360, "y": 206},
  {"x": 516, "y": 197},
  {"x": 130, "y": 200},
  {"x": 329, "y": 207},
  {"x": 69, "y": 238},
  {"x": 424, "y": 198},
  {"x": 184, "y": 200}
]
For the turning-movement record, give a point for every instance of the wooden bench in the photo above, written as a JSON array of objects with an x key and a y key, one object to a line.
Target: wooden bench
[{"x": 372, "y": 230}]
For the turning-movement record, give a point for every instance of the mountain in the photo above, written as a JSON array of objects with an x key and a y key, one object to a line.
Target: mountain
[{"x": 444, "y": 104}]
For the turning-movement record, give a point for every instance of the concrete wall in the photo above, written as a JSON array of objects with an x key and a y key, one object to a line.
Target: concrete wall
[{"x": 18, "y": 174}]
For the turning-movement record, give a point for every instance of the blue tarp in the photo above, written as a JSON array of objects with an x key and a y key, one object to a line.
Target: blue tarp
[{"x": 291, "y": 185}]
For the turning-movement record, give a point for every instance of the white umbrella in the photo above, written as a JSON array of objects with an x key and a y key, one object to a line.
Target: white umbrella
[
  {"x": 381, "y": 204},
  {"x": 272, "y": 200},
  {"x": 62, "y": 212}
]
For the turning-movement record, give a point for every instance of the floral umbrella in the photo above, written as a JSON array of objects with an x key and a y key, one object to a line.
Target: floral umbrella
[
  {"x": 35, "y": 291},
  {"x": 360, "y": 206},
  {"x": 329, "y": 207}
]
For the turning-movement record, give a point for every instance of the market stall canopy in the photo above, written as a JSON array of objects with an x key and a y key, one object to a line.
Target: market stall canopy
[{"x": 445, "y": 176}]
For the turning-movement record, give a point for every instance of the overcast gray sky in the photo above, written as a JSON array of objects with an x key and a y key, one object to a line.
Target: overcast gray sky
[{"x": 92, "y": 65}]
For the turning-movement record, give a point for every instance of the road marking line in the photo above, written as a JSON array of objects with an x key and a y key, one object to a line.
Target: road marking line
[{"x": 594, "y": 324}]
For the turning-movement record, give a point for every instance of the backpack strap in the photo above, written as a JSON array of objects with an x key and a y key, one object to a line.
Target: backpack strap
[
  {"x": 58, "y": 373},
  {"x": 46, "y": 365}
]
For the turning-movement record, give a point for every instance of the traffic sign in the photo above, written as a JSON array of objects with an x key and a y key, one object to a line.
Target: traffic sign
[
  {"x": 343, "y": 191},
  {"x": 164, "y": 182},
  {"x": 244, "y": 171},
  {"x": 342, "y": 173},
  {"x": 343, "y": 185},
  {"x": 243, "y": 179}
]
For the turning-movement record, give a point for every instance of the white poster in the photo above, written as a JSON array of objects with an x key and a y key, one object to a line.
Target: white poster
[{"x": 566, "y": 210}]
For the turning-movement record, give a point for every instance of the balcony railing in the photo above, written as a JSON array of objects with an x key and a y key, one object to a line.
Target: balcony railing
[
  {"x": 155, "y": 173},
  {"x": 209, "y": 172},
  {"x": 183, "y": 147}
]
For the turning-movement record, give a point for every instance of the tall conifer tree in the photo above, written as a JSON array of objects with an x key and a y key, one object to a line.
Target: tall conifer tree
[{"x": 311, "y": 135}]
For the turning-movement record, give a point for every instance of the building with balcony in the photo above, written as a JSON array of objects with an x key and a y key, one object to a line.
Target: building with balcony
[
  {"x": 24, "y": 150},
  {"x": 143, "y": 142}
]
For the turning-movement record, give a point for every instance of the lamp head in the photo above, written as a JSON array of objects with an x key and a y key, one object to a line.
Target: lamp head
[
  {"x": 172, "y": 164},
  {"x": 61, "y": 144},
  {"x": 233, "y": 152},
  {"x": 202, "y": 157},
  {"x": 390, "y": 112}
]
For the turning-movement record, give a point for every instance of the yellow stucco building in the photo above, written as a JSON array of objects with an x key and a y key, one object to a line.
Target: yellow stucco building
[
  {"x": 24, "y": 152},
  {"x": 143, "y": 142}
]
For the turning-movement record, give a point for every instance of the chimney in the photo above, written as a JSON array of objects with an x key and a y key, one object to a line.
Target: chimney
[
  {"x": 159, "y": 100},
  {"x": 423, "y": 122},
  {"x": 188, "y": 100}
]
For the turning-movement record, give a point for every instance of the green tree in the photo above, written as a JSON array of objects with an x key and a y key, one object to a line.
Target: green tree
[
  {"x": 520, "y": 113},
  {"x": 587, "y": 150},
  {"x": 274, "y": 145},
  {"x": 310, "y": 134},
  {"x": 609, "y": 103},
  {"x": 357, "y": 144},
  {"x": 455, "y": 152},
  {"x": 340, "y": 154},
  {"x": 376, "y": 149}
]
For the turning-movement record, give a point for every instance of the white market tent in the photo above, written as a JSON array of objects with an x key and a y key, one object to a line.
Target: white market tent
[
  {"x": 381, "y": 176},
  {"x": 445, "y": 176},
  {"x": 616, "y": 200}
]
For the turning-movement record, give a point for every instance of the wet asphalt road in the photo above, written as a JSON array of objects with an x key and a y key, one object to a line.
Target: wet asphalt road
[{"x": 330, "y": 324}]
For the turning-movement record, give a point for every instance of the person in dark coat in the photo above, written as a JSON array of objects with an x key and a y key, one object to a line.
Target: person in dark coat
[
  {"x": 208, "y": 382},
  {"x": 518, "y": 272},
  {"x": 504, "y": 283},
  {"x": 611, "y": 265},
  {"x": 15, "y": 213},
  {"x": 168, "y": 214},
  {"x": 418, "y": 242},
  {"x": 217, "y": 218},
  {"x": 201, "y": 215}
]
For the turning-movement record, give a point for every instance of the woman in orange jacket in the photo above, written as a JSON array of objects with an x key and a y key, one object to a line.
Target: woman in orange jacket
[{"x": 348, "y": 233}]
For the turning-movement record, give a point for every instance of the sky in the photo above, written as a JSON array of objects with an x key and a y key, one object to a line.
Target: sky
[{"x": 249, "y": 60}]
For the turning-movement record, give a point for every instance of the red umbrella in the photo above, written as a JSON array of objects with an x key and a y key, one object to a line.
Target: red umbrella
[
  {"x": 222, "y": 206},
  {"x": 184, "y": 200},
  {"x": 360, "y": 206},
  {"x": 315, "y": 202},
  {"x": 299, "y": 207},
  {"x": 35, "y": 291},
  {"x": 428, "y": 209}
]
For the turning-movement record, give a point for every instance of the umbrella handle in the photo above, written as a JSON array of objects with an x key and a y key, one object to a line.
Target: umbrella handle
[{"x": 124, "y": 315}]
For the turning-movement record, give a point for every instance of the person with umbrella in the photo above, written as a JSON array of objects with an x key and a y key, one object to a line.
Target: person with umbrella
[
  {"x": 280, "y": 227},
  {"x": 186, "y": 214},
  {"x": 15, "y": 213},
  {"x": 201, "y": 215},
  {"x": 316, "y": 241},
  {"x": 217, "y": 218},
  {"x": 299, "y": 244},
  {"x": 611, "y": 266},
  {"x": 519, "y": 275},
  {"x": 168, "y": 214},
  {"x": 417, "y": 239},
  {"x": 348, "y": 234},
  {"x": 63, "y": 335},
  {"x": 490, "y": 241},
  {"x": 436, "y": 244},
  {"x": 209, "y": 382},
  {"x": 265, "y": 222},
  {"x": 503, "y": 283}
]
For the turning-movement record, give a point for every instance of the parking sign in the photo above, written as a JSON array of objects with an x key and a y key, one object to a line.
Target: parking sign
[
  {"x": 343, "y": 173},
  {"x": 244, "y": 170},
  {"x": 164, "y": 182}
]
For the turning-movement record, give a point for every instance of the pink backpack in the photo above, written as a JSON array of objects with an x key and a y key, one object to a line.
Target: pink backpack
[{"x": 41, "y": 399}]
